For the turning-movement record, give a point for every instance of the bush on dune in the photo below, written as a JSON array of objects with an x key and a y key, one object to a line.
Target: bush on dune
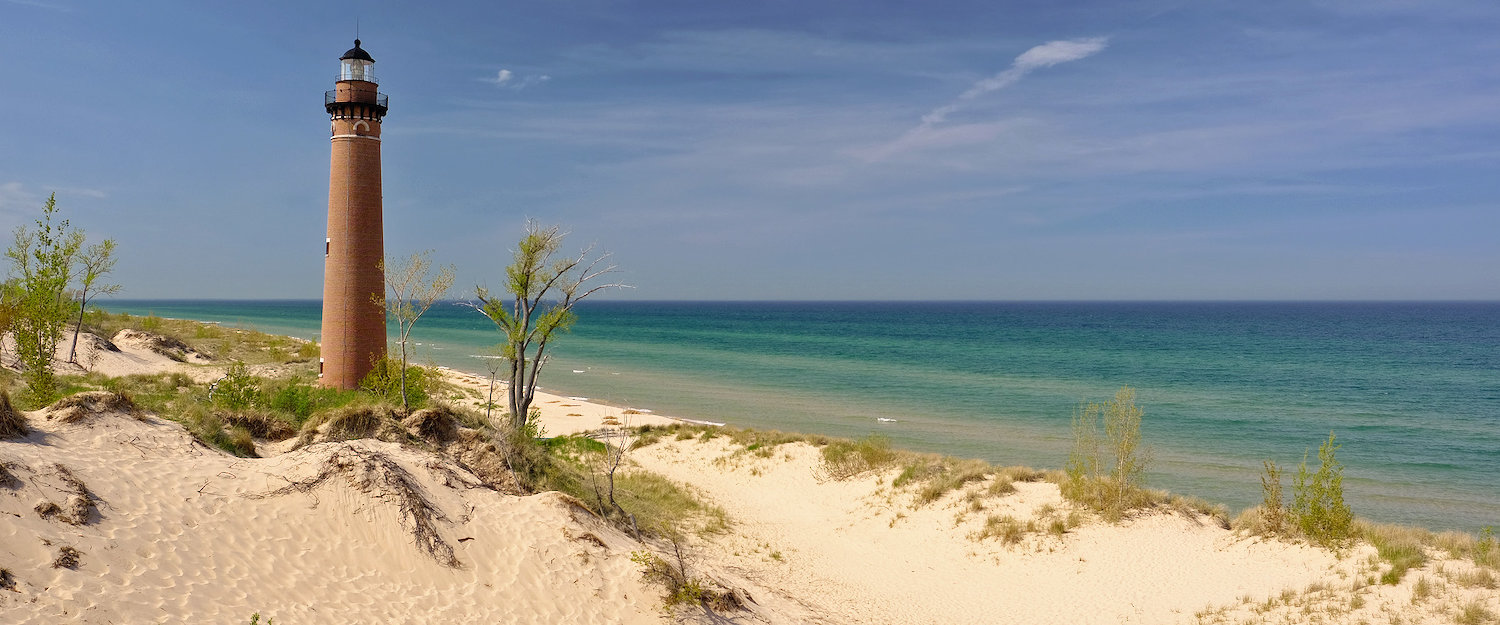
[{"x": 1112, "y": 485}]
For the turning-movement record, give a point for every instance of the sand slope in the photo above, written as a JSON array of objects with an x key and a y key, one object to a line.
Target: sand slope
[
  {"x": 178, "y": 538},
  {"x": 861, "y": 552}
]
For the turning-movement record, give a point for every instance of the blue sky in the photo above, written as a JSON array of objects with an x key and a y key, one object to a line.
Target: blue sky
[{"x": 786, "y": 150}]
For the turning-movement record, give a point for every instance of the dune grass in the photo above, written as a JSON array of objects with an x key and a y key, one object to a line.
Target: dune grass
[
  {"x": 245, "y": 344},
  {"x": 12, "y": 422},
  {"x": 843, "y": 459},
  {"x": 576, "y": 465}
]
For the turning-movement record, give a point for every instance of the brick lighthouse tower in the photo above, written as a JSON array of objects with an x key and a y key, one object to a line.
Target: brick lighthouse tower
[{"x": 353, "y": 324}]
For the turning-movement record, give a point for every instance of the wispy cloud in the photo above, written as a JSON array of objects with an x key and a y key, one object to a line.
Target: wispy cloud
[
  {"x": 42, "y": 5},
  {"x": 510, "y": 80},
  {"x": 1045, "y": 55},
  {"x": 14, "y": 198},
  {"x": 1042, "y": 56}
]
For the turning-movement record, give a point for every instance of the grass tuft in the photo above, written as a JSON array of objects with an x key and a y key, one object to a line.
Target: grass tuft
[
  {"x": 1009, "y": 530},
  {"x": 1474, "y": 613},
  {"x": 1401, "y": 547},
  {"x": 12, "y": 422},
  {"x": 844, "y": 459}
]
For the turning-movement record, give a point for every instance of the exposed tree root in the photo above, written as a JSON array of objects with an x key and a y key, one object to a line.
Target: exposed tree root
[{"x": 376, "y": 474}]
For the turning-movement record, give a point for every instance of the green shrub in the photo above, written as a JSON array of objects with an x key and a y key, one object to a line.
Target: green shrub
[
  {"x": 843, "y": 459},
  {"x": 1114, "y": 492},
  {"x": 237, "y": 390},
  {"x": 299, "y": 400},
  {"x": 1318, "y": 501},
  {"x": 1272, "y": 513},
  {"x": 384, "y": 381},
  {"x": 208, "y": 427}
]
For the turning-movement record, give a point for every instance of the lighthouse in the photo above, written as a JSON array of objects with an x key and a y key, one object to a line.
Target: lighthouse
[{"x": 353, "y": 337}]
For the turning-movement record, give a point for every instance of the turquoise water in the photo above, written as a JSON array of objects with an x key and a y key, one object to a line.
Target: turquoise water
[{"x": 1411, "y": 389}]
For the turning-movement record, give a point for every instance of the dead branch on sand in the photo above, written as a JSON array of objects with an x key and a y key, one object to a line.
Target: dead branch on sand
[{"x": 374, "y": 473}]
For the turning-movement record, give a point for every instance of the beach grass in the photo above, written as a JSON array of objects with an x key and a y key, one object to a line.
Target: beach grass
[{"x": 246, "y": 345}]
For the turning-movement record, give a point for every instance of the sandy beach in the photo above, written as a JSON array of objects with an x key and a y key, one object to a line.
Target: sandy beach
[{"x": 153, "y": 526}]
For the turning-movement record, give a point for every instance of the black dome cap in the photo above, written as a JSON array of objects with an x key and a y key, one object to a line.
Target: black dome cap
[{"x": 357, "y": 53}]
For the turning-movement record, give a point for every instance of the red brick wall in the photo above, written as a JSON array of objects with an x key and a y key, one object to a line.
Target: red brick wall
[{"x": 353, "y": 335}]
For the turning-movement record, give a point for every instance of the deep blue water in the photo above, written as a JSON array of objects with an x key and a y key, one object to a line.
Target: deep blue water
[{"x": 1412, "y": 390}]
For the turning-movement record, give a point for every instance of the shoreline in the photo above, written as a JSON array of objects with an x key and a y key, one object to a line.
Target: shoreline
[
  {"x": 1193, "y": 460},
  {"x": 563, "y": 414}
]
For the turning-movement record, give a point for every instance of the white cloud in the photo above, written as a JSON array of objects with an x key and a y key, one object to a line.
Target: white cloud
[
  {"x": 14, "y": 198},
  {"x": 1045, "y": 55},
  {"x": 17, "y": 199},
  {"x": 42, "y": 5},
  {"x": 1054, "y": 52},
  {"x": 511, "y": 80}
]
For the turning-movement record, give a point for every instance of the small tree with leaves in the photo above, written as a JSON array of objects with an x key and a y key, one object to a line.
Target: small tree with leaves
[
  {"x": 541, "y": 289},
  {"x": 413, "y": 289},
  {"x": 41, "y": 267},
  {"x": 93, "y": 264},
  {"x": 1115, "y": 492},
  {"x": 1318, "y": 499}
]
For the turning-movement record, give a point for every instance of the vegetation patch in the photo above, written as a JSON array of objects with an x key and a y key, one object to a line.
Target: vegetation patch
[
  {"x": 1106, "y": 467},
  {"x": 684, "y": 589},
  {"x": 1400, "y": 547},
  {"x": 67, "y": 558},
  {"x": 259, "y": 424},
  {"x": 436, "y": 425},
  {"x": 1475, "y": 613},
  {"x": 244, "y": 344},
  {"x": 88, "y": 405},
  {"x": 843, "y": 459},
  {"x": 1318, "y": 501},
  {"x": 352, "y": 422},
  {"x": 662, "y": 506},
  {"x": 12, "y": 422}
]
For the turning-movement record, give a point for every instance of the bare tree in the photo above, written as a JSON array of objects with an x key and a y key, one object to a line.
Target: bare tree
[
  {"x": 493, "y": 363},
  {"x": 617, "y": 441},
  {"x": 540, "y": 292},
  {"x": 95, "y": 262},
  {"x": 412, "y": 291}
]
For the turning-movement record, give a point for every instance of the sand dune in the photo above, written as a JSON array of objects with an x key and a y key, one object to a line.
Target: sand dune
[
  {"x": 166, "y": 530},
  {"x": 182, "y": 537}
]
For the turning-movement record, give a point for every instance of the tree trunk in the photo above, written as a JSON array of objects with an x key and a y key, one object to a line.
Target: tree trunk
[
  {"x": 405, "y": 405},
  {"x": 73, "y": 352}
]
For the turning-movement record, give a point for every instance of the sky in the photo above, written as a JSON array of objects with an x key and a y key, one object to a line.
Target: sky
[{"x": 784, "y": 150}]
